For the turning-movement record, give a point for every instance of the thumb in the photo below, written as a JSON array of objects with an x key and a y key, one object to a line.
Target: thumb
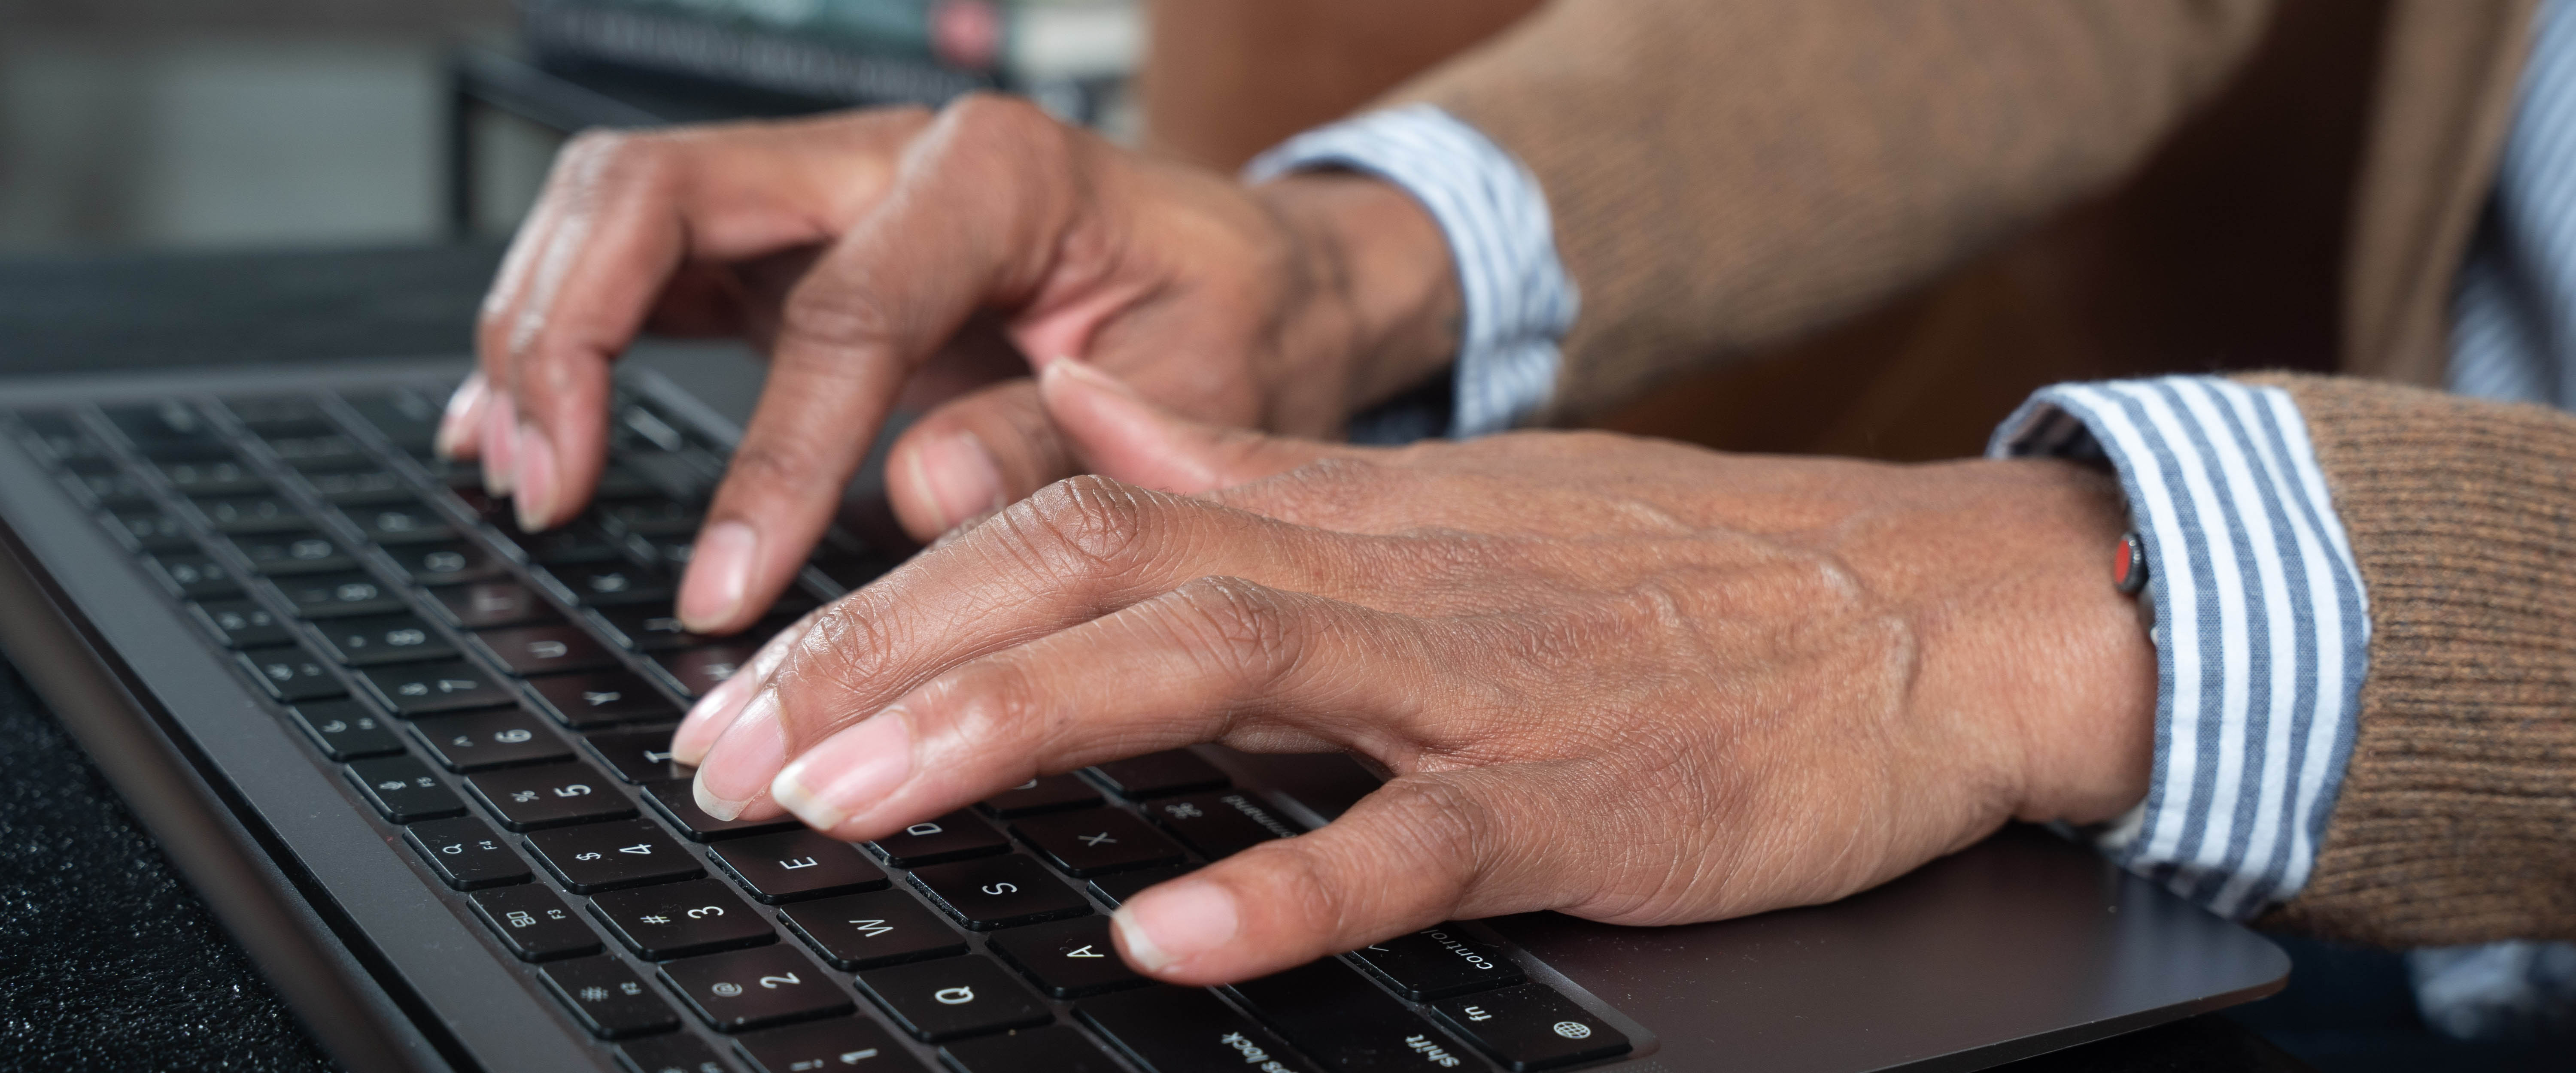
[
  {"x": 972, "y": 455},
  {"x": 1115, "y": 432},
  {"x": 1419, "y": 850}
]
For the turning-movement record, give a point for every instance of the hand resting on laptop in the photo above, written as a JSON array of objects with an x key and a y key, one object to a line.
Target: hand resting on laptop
[
  {"x": 891, "y": 253},
  {"x": 1634, "y": 681}
]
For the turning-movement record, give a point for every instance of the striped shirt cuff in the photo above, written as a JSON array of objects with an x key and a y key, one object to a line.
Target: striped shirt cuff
[
  {"x": 2261, "y": 625},
  {"x": 1518, "y": 300}
]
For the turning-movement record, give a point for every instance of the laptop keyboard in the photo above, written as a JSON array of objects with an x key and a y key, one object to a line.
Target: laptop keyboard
[{"x": 504, "y": 700}]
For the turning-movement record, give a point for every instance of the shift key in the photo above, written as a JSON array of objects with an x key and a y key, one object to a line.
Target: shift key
[{"x": 415, "y": 689}]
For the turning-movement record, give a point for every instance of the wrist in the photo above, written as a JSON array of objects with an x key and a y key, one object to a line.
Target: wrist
[{"x": 1378, "y": 291}]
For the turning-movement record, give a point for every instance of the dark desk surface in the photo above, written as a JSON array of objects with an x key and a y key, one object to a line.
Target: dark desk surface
[{"x": 107, "y": 960}]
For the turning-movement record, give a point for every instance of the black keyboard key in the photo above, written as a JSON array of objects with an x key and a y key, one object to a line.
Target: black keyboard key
[
  {"x": 608, "y": 998},
  {"x": 252, "y": 514},
  {"x": 865, "y": 931},
  {"x": 547, "y": 649},
  {"x": 148, "y": 530},
  {"x": 1221, "y": 825},
  {"x": 241, "y": 623},
  {"x": 1050, "y": 1049},
  {"x": 677, "y": 804},
  {"x": 1163, "y": 774},
  {"x": 649, "y": 518},
  {"x": 466, "y": 853},
  {"x": 291, "y": 674},
  {"x": 1046, "y": 793},
  {"x": 795, "y": 865},
  {"x": 486, "y": 604},
  {"x": 638, "y": 756},
  {"x": 186, "y": 451},
  {"x": 402, "y": 789},
  {"x": 339, "y": 595},
  {"x": 401, "y": 523},
  {"x": 645, "y": 629},
  {"x": 556, "y": 795},
  {"x": 534, "y": 923},
  {"x": 1118, "y": 888},
  {"x": 347, "y": 729},
  {"x": 1096, "y": 842},
  {"x": 159, "y": 422},
  {"x": 417, "y": 689},
  {"x": 955, "y": 836},
  {"x": 448, "y": 563},
  {"x": 841, "y": 1043},
  {"x": 999, "y": 892},
  {"x": 613, "y": 584},
  {"x": 602, "y": 698},
  {"x": 193, "y": 575},
  {"x": 1337, "y": 1018},
  {"x": 320, "y": 452},
  {"x": 678, "y": 1052},
  {"x": 407, "y": 418},
  {"x": 954, "y": 997},
  {"x": 288, "y": 554},
  {"x": 564, "y": 546},
  {"x": 218, "y": 475},
  {"x": 107, "y": 488},
  {"x": 379, "y": 639},
  {"x": 480, "y": 741},
  {"x": 609, "y": 856},
  {"x": 1438, "y": 962},
  {"x": 1186, "y": 1030},
  {"x": 751, "y": 989},
  {"x": 359, "y": 487},
  {"x": 1068, "y": 958},
  {"x": 1531, "y": 1027},
  {"x": 695, "y": 671},
  {"x": 281, "y": 415},
  {"x": 851, "y": 570},
  {"x": 677, "y": 920}
]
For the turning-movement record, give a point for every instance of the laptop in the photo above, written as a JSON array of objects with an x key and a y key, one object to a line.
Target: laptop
[{"x": 415, "y": 758}]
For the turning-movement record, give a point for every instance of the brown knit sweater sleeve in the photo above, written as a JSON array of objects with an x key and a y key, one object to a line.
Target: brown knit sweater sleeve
[
  {"x": 2457, "y": 819},
  {"x": 1730, "y": 173}
]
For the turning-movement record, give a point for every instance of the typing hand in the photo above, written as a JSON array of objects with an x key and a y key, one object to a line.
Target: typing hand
[
  {"x": 870, "y": 251},
  {"x": 1634, "y": 681}
]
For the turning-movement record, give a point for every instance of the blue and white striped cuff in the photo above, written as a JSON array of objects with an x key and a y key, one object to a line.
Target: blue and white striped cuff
[
  {"x": 1519, "y": 301},
  {"x": 2261, "y": 627}
]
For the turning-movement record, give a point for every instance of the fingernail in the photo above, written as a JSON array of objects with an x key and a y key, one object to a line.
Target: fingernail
[
  {"x": 708, "y": 718},
  {"x": 535, "y": 479},
  {"x": 847, "y": 774},
  {"x": 719, "y": 575},
  {"x": 500, "y": 427},
  {"x": 960, "y": 476},
  {"x": 1175, "y": 922},
  {"x": 1090, "y": 374},
  {"x": 456, "y": 425},
  {"x": 743, "y": 761}
]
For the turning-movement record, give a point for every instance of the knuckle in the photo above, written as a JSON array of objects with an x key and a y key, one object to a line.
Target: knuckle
[
  {"x": 849, "y": 647},
  {"x": 1249, "y": 629},
  {"x": 1090, "y": 522},
  {"x": 1438, "y": 825}
]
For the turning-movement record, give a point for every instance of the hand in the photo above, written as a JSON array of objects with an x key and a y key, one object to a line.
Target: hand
[
  {"x": 1634, "y": 681},
  {"x": 855, "y": 249}
]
